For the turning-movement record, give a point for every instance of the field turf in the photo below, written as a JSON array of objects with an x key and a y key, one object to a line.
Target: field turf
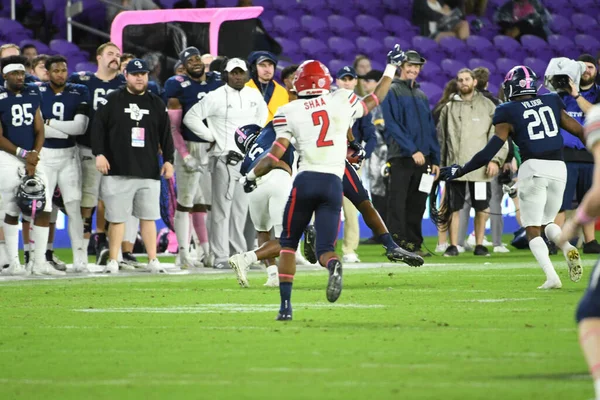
[{"x": 458, "y": 328}]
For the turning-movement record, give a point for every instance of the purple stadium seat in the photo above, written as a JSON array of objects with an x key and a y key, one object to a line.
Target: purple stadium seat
[
  {"x": 61, "y": 46},
  {"x": 9, "y": 27},
  {"x": 226, "y": 3},
  {"x": 583, "y": 22},
  {"x": 482, "y": 46},
  {"x": 587, "y": 43},
  {"x": 492, "y": 88},
  {"x": 390, "y": 41},
  {"x": 312, "y": 46},
  {"x": 342, "y": 26},
  {"x": 377, "y": 65},
  {"x": 424, "y": 44},
  {"x": 335, "y": 65},
  {"x": 395, "y": 24},
  {"x": 86, "y": 66},
  {"x": 307, "y": 5},
  {"x": 505, "y": 64},
  {"x": 538, "y": 66},
  {"x": 454, "y": 47},
  {"x": 479, "y": 62},
  {"x": 315, "y": 26},
  {"x": 509, "y": 47},
  {"x": 41, "y": 47},
  {"x": 286, "y": 26},
  {"x": 341, "y": 47},
  {"x": 433, "y": 91},
  {"x": 430, "y": 71},
  {"x": 286, "y": 7},
  {"x": 563, "y": 46},
  {"x": 369, "y": 25},
  {"x": 369, "y": 45},
  {"x": 289, "y": 46},
  {"x": 451, "y": 67},
  {"x": 534, "y": 44},
  {"x": 560, "y": 24}
]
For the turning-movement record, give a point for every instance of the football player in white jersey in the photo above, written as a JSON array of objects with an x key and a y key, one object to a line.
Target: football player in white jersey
[{"x": 318, "y": 120}]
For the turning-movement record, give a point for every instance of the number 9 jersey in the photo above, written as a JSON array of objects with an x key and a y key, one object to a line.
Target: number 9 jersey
[{"x": 536, "y": 125}]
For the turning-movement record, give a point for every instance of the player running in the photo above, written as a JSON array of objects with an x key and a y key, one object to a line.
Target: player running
[
  {"x": 533, "y": 122},
  {"x": 191, "y": 158},
  {"x": 65, "y": 108},
  {"x": 318, "y": 120}
]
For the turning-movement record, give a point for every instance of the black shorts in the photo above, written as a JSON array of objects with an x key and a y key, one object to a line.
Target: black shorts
[{"x": 457, "y": 191}]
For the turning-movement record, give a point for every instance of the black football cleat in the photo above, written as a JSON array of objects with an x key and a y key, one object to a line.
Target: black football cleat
[
  {"x": 310, "y": 240},
  {"x": 407, "y": 257},
  {"x": 284, "y": 316},
  {"x": 334, "y": 284},
  {"x": 102, "y": 253}
]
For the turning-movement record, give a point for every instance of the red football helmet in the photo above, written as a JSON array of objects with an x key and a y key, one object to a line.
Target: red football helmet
[{"x": 312, "y": 79}]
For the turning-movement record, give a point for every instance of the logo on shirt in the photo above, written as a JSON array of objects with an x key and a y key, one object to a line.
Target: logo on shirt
[
  {"x": 42, "y": 88},
  {"x": 135, "y": 112},
  {"x": 185, "y": 84},
  {"x": 3, "y": 95}
]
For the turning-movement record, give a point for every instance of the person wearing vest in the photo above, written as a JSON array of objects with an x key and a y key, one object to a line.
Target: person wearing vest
[{"x": 262, "y": 74}]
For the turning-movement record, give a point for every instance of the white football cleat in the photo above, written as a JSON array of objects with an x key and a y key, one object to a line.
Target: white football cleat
[
  {"x": 351, "y": 258},
  {"x": 15, "y": 269},
  {"x": 187, "y": 262},
  {"x": 155, "y": 267},
  {"x": 111, "y": 267},
  {"x": 501, "y": 249},
  {"x": 553, "y": 283},
  {"x": 441, "y": 247},
  {"x": 46, "y": 269},
  {"x": 241, "y": 266},
  {"x": 460, "y": 248},
  {"x": 272, "y": 281},
  {"x": 81, "y": 267}
]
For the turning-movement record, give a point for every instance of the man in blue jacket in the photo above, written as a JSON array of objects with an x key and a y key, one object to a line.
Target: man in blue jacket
[{"x": 413, "y": 151}]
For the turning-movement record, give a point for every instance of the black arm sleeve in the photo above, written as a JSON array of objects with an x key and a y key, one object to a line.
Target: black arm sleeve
[
  {"x": 84, "y": 109},
  {"x": 166, "y": 139},
  {"x": 100, "y": 130}
]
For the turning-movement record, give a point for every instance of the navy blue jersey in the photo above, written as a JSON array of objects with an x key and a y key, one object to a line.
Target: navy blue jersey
[
  {"x": 63, "y": 106},
  {"x": 189, "y": 92},
  {"x": 154, "y": 88},
  {"x": 261, "y": 148},
  {"x": 17, "y": 112},
  {"x": 536, "y": 125},
  {"x": 98, "y": 90}
]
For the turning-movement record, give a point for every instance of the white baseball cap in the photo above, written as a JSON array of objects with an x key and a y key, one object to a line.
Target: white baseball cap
[{"x": 236, "y": 63}]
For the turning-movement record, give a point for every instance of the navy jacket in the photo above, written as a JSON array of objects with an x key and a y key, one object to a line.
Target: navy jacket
[
  {"x": 364, "y": 132},
  {"x": 409, "y": 124}
]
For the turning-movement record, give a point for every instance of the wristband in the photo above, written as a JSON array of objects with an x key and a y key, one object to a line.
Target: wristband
[
  {"x": 578, "y": 96},
  {"x": 375, "y": 98},
  {"x": 251, "y": 176},
  {"x": 272, "y": 157},
  {"x": 22, "y": 153},
  {"x": 581, "y": 217},
  {"x": 390, "y": 71}
]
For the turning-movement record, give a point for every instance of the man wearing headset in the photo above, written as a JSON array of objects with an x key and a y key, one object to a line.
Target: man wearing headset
[
  {"x": 225, "y": 109},
  {"x": 262, "y": 73}
]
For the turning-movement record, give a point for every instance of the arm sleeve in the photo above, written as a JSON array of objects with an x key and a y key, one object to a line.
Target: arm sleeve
[
  {"x": 195, "y": 116},
  {"x": 281, "y": 126},
  {"x": 75, "y": 127},
  {"x": 394, "y": 124},
  {"x": 51, "y": 133},
  {"x": 484, "y": 156},
  {"x": 100, "y": 129},
  {"x": 166, "y": 139},
  {"x": 175, "y": 117}
]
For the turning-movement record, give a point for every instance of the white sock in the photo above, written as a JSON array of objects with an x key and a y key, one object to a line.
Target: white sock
[
  {"x": 540, "y": 252},
  {"x": 205, "y": 247},
  {"x": 26, "y": 247},
  {"x": 251, "y": 257},
  {"x": 3, "y": 256},
  {"x": 181, "y": 224},
  {"x": 597, "y": 388},
  {"x": 553, "y": 233},
  {"x": 50, "y": 246},
  {"x": 40, "y": 240},
  {"x": 11, "y": 237},
  {"x": 272, "y": 271},
  {"x": 86, "y": 243}
]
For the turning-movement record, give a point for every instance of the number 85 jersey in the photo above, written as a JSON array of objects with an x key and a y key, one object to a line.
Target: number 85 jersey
[
  {"x": 536, "y": 125},
  {"x": 320, "y": 126},
  {"x": 17, "y": 112}
]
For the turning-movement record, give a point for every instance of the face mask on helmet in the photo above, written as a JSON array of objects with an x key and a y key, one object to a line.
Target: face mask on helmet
[
  {"x": 31, "y": 194},
  {"x": 245, "y": 136}
]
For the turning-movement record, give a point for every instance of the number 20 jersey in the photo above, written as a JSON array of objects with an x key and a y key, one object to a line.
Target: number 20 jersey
[
  {"x": 536, "y": 125},
  {"x": 17, "y": 112},
  {"x": 320, "y": 126}
]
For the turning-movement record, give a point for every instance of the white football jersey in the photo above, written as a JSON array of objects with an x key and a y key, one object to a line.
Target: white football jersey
[{"x": 320, "y": 127}]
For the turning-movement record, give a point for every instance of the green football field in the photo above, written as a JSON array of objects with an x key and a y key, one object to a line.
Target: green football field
[{"x": 459, "y": 328}]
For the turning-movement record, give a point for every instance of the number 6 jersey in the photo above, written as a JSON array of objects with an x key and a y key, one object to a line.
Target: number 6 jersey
[
  {"x": 320, "y": 127},
  {"x": 17, "y": 112},
  {"x": 536, "y": 125}
]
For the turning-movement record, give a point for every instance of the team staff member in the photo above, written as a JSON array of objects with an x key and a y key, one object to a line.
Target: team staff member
[
  {"x": 262, "y": 73},
  {"x": 129, "y": 131},
  {"x": 226, "y": 109}
]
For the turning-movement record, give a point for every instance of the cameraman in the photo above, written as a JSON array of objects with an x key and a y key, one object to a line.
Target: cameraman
[
  {"x": 226, "y": 109},
  {"x": 580, "y": 163}
]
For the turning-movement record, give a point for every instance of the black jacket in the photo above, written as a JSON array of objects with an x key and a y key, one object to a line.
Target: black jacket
[{"x": 130, "y": 131}]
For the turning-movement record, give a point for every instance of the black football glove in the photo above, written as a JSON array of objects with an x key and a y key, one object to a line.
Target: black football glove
[
  {"x": 359, "y": 151},
  {"x": 249, "y": 185},
  {"x": 450, "y": 173}
]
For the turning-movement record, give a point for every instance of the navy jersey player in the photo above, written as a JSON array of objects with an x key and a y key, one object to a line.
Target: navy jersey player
[
  {"x": 106, "y": 79},
  {"x": 21, "y": 140},
  {"x": 318, "y": 120},
  {"x": 534, "y": 123},
  {"x": 267, "y": 202},
  {"x": 588, "y": 310},
  {"x": 65, "y": 108},
  {"x": 191, "y": 159}
]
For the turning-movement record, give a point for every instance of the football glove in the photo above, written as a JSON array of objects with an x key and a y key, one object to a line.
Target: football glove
[
  {"x": 510, "y": 190},
  {"x": 190, "y": 163},
  {"x": 450, "y": 173},
  {"x": 249, "y": 185},
  {"x": 359, "y": 151},
  {"x": 385, "y": 169},
  {"x": 396, "y": 56}
]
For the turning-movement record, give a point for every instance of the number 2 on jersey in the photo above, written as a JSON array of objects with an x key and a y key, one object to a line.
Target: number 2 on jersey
[{"x": 322, "y": 118}]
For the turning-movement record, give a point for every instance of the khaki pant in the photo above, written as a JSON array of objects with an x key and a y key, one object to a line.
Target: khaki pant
[{"x": 351, "y": 229}]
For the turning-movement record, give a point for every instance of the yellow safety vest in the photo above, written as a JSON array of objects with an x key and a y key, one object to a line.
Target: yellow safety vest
[{"x": 279, "y": 98}]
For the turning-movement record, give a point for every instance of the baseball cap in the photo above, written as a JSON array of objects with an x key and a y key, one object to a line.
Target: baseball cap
[
  {"x": 187, "y": 53},
  {"x": 346, "y": 71},
  {"x": 372, "y": 75},
  {"x": 236, "y": 63},
  {"x": 587, "y": 58},
  {"x": 136, "y": 65},
  {"x": 256, "y": 57}
]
